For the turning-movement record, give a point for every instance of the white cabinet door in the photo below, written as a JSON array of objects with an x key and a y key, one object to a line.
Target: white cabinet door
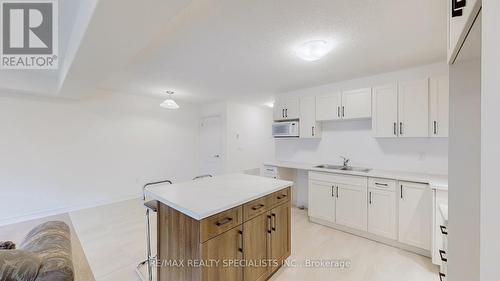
[
  {"x": 351, "y": 206},
  {"x": 278, "y": 111},
  {"x": 382, "y": 213},
  {"x": 415, "y": 214},
  {"x": 328, "y": 107},
  {"x": 357, "y": 104},
  {"x": 321, "y": 201},
  {"x": 385, "y": 111},
  {"x": 309, "y": 128},
  {"x": 291, "y": 106},
  {"x": 413, "y": 110},
  {"x": 286, "y": 108},
  {"x": 439, "y": 106}
]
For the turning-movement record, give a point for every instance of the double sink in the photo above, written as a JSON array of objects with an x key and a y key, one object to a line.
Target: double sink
[{"x": 342, "y": 168}]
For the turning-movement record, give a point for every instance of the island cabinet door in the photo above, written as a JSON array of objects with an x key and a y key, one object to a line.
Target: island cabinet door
[
  {"x": 257, "y": 247},
  {"x": 219, "y": 255},
  {"x": 280, "y": 234}
]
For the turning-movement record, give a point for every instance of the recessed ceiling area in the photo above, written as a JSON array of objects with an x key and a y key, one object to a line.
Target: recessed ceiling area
[{"x": 209, "y": 50}]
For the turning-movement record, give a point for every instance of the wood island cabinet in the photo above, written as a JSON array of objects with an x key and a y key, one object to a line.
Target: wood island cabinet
[{"x": 248, "y": 242}]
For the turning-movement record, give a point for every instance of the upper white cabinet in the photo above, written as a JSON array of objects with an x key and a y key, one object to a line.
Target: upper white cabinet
[
  {"x": 385, "y": 111},
  {"x": 415, "y": 214},
  {"x": 328, "y": 107},
  {"x": 439, "y": 106},
  {"x": 357, "y": 104},
  {"x": 353, "y": 104},
  {"x": 401, "y": 111},
  {"x": 309, "y": 127},
  {"x": 461, "y": 17},
  {"x": 413, "y": 109},
  {"x": 286, "y": 108}
]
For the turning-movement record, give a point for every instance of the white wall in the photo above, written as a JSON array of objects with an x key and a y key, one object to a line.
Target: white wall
[
  {"x": 247, "y": 134},
  {"x": 465, "y": 170},
  {"x": 353, "y": 138},
  {"x": 57, "y": 155},
  {"x": 490, "y": 149}
]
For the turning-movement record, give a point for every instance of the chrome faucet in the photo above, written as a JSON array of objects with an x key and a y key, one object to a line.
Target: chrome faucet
[{"x": 346, "y": 161}]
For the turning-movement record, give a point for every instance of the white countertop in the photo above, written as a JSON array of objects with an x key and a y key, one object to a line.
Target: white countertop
[
  {"x": 202, "y": 198},
  {"x": 439, "y": 182}
]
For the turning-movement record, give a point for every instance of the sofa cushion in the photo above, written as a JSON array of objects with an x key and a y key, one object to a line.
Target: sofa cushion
[
  {"x": 51, "y": 241},
  {"x": 19, "y": 265}
]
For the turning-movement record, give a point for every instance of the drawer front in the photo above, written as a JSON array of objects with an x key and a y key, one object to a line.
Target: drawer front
[
  {"x": 256, "y": 207},
  {"x": 338, "y": 178},
  {"x": 279, "y": 197},
  {"x": 382, "y": 184},
  {"x": 221, "y": 222}
]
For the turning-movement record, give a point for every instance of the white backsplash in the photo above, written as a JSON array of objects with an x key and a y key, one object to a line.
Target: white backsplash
[{"x": 353, "y": 139}]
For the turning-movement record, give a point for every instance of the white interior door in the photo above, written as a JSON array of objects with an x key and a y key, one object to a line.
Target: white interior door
[{"x": 211, "y": 145}]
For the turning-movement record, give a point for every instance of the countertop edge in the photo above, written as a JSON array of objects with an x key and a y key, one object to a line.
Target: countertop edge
[
  {"x": 422, "y": 178},
  {"x": 199, "y": 217}
]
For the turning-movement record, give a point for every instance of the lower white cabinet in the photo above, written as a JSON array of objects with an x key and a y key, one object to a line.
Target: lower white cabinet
[
  {"x": 415, "y": 214},
  {"x": 351, "y": 207},
  {"x": 382, "y": 208},
  {"x": 322, "y": 200},
  {"x": 374, "y": 207}
]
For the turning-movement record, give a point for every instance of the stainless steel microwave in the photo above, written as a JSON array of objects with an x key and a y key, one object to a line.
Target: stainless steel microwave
[{"x": 286, "y": 129}]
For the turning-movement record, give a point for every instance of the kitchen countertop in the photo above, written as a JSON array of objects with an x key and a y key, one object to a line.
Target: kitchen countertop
[
  {"x": 205, "y": 197},
  {"x": 438, "y": 182}
]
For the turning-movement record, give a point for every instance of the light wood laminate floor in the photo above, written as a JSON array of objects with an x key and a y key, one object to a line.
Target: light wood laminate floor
[{"x": 113, "y": 238}]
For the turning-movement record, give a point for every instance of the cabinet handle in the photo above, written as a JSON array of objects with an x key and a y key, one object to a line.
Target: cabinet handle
[
  {"x": 312, "y": 130},
  {"x": 240, "y": 247},
  {"x": 395, "y": 128},
  {"x": 223, "y": 221},
  {"x": 333, "y": 194},
  {"x": 382, "y": 184},
  {"x": 281, "y": 196},
  {"x": 269, "y": 224},
  {"x": 401, "y": 191},
  {"x": 401, "y": 128},
  {"x": 286, "y": 112},
  {"x": 435, "y": 127},
  {"x": 370, "y": 197},
  {"x": 441, "y": 275},
  {"x": 443, "y": 229},
  {"x": 343, "y": 111},
  {"x": 273, "y": 222},
  {"x": 441, "y": 253},
  {"x": 338, "y": 111},
  {"x": 255, "y": 208},
  {"x": 337, "y": 192},
  {"x": 283, "y": 113}
]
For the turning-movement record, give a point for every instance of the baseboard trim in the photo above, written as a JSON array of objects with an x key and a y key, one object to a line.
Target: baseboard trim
[
  {"x": 66, "y": 209},
  {"x": 373, "y": 237}
]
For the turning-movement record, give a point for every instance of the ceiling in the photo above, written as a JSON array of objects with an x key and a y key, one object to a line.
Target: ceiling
[{"x": 210, "y": 50}]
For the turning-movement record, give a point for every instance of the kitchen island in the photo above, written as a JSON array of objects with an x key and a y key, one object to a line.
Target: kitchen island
[{"x": 231, "y": 227}]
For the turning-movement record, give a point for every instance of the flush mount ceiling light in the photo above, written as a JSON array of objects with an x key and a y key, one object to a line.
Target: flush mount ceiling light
[
  {"x": 169, "y": 103},
  {"x": 313, "y": 50}
]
